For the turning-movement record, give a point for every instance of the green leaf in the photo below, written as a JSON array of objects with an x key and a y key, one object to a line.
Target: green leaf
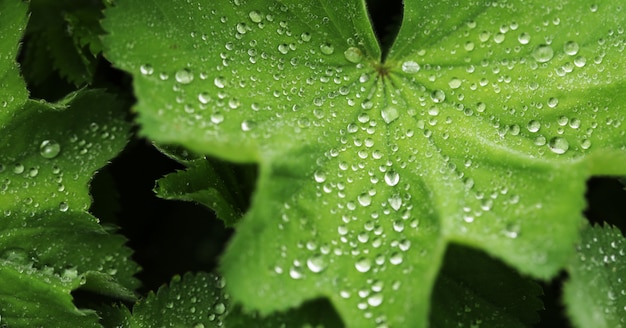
[
  {"x": 474, "y": 289},
  {"x": 50, "y": 153},
  {"x": 211, "y": 183},
  {"x": 12, "y": 87},
  {"x": 49, "y": 243},
  {"x": 62, "y": 36},
  {"x": 200, "y": 301},
  {"x": 480, "y": 127},
  {"x": 595, "y": 294},
  {"x": 39, "y": 298}
]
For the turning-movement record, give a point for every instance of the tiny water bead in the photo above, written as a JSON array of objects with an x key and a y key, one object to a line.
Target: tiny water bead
[
  {"x": 543, "y": 53},
  {"x": 571, "y": 48},
  {"x": 353, "y": 55},
  {"x": 49, "y": 149},
  {"x": 184, "y": 76},
  {"x": 558, "y": 145},
  {"x": 410, "y": 67},
  {"x": 255, "y": 16},
  {"x": 438, "y": 96},
  {"x": 146, "y": 69},
  {"x": 327, "y": 48},
  {"x": 389, "y": 114}
]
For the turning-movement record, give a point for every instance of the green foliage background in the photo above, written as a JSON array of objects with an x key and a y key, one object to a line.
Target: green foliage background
[{"x": 444, "y": 177}]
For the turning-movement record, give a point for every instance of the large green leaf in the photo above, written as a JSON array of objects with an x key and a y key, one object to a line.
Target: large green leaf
[
  {"x": 595, "y": 293},
  {"x": 49, "y": 243},
  {"x": 480, "y": 127}
]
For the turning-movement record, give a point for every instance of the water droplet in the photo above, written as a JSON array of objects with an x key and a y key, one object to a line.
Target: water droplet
[
  {"x": 283, "y": 48},
  {"x": 63, "y": 207},
  {"x": 558, "y": 145},
  {"x": 219, "y": 308},
  {"x": 363, "y": 265},
  {"x": 18, "y": 168},
  {"x": 353, "y": 54},
  {"x": 247, "y": 125},
  {"x": 184, "y": 76},
  {"x": 49, "y": 149},
  {"x": 295, "y": 273},
  {"x": 455, "y": 83},
  {"x": 306, "y": 37},
  {"x": 533, "y": 126},
  {"x": 571, "y": 48},
  {"x": 395, "y": 202},
  {"x": 410, "y": 67},
  {"x": 316, "y": 263},
  {"x": 438, "y": 96},
  {"x": 204, "y": 97},
  {"x": 146, "y": 69},
  {"x": 543, "y": 53},
  {"x": 364, "y": 199},
  {"x": 327, "y": 48},
  {"x": 523, "y": 38},
  {"x": 396, "y": 258},
  {"x": 255, "y": 16},
  {"x": 220, "y": 82},
  {"x": 392, "y": 178},
  {"x": 319, "y": 176},
  {"x": 389, "y": 114},
  {"x": 375, "y": 300},
  {"x": 553, "y": 102}
]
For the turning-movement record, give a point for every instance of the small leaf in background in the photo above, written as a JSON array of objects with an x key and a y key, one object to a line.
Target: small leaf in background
[
  {"x": 595, "y": 293},
  {"x": 475, "y": 289},
  {"x": 32, "y": 297},
  {"x": 480, "y": 127},
  {"x": 62, "y": 38},
  {"x": 214, "y": 184},
  {"x": 199, "y": 301}
]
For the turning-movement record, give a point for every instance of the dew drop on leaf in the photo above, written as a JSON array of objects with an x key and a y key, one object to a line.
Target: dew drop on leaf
[
  {"x": 364, "y": 199},
  {"x": 184, "y": 76},
  {"x": 63, "y": 207},
  {"x": 363, "y": 265},
  {"x": 353, "y": 55},
  {"x": 558, "y": 145},
  {"x": 247, "y": 125},
  {"x": 395, "y": 202},
  {"x": 533, "y": 126},
  {"x": 283, "y": 48},
  {"x": 543, "y": 53},
  {"x": 389, "y": 114},
  {"x": 18, "y": 168},
  {"x": 49, "y": 149},
  {"x": 146, "y": 69},
  {"x": 219, "y": 82},
  {"x": 392, "y": 178},
  {"x": 327, "y": 48},
  {"x": 523, "y": 38},
  {"x": 295, "y": 273},
  {"x": 438, "y": 96},
  {"x": 306, "y": 37},
  {"x": 571, "y": 48},
  {"x": 455, "y": 83},
  {"x": 375, "y": 300},
  {"x": 319, "y": 176},
  {"x": 255, "y": 16},
  {"x": 410, "y": 67},
  {"x": 316, "y": 263}
]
